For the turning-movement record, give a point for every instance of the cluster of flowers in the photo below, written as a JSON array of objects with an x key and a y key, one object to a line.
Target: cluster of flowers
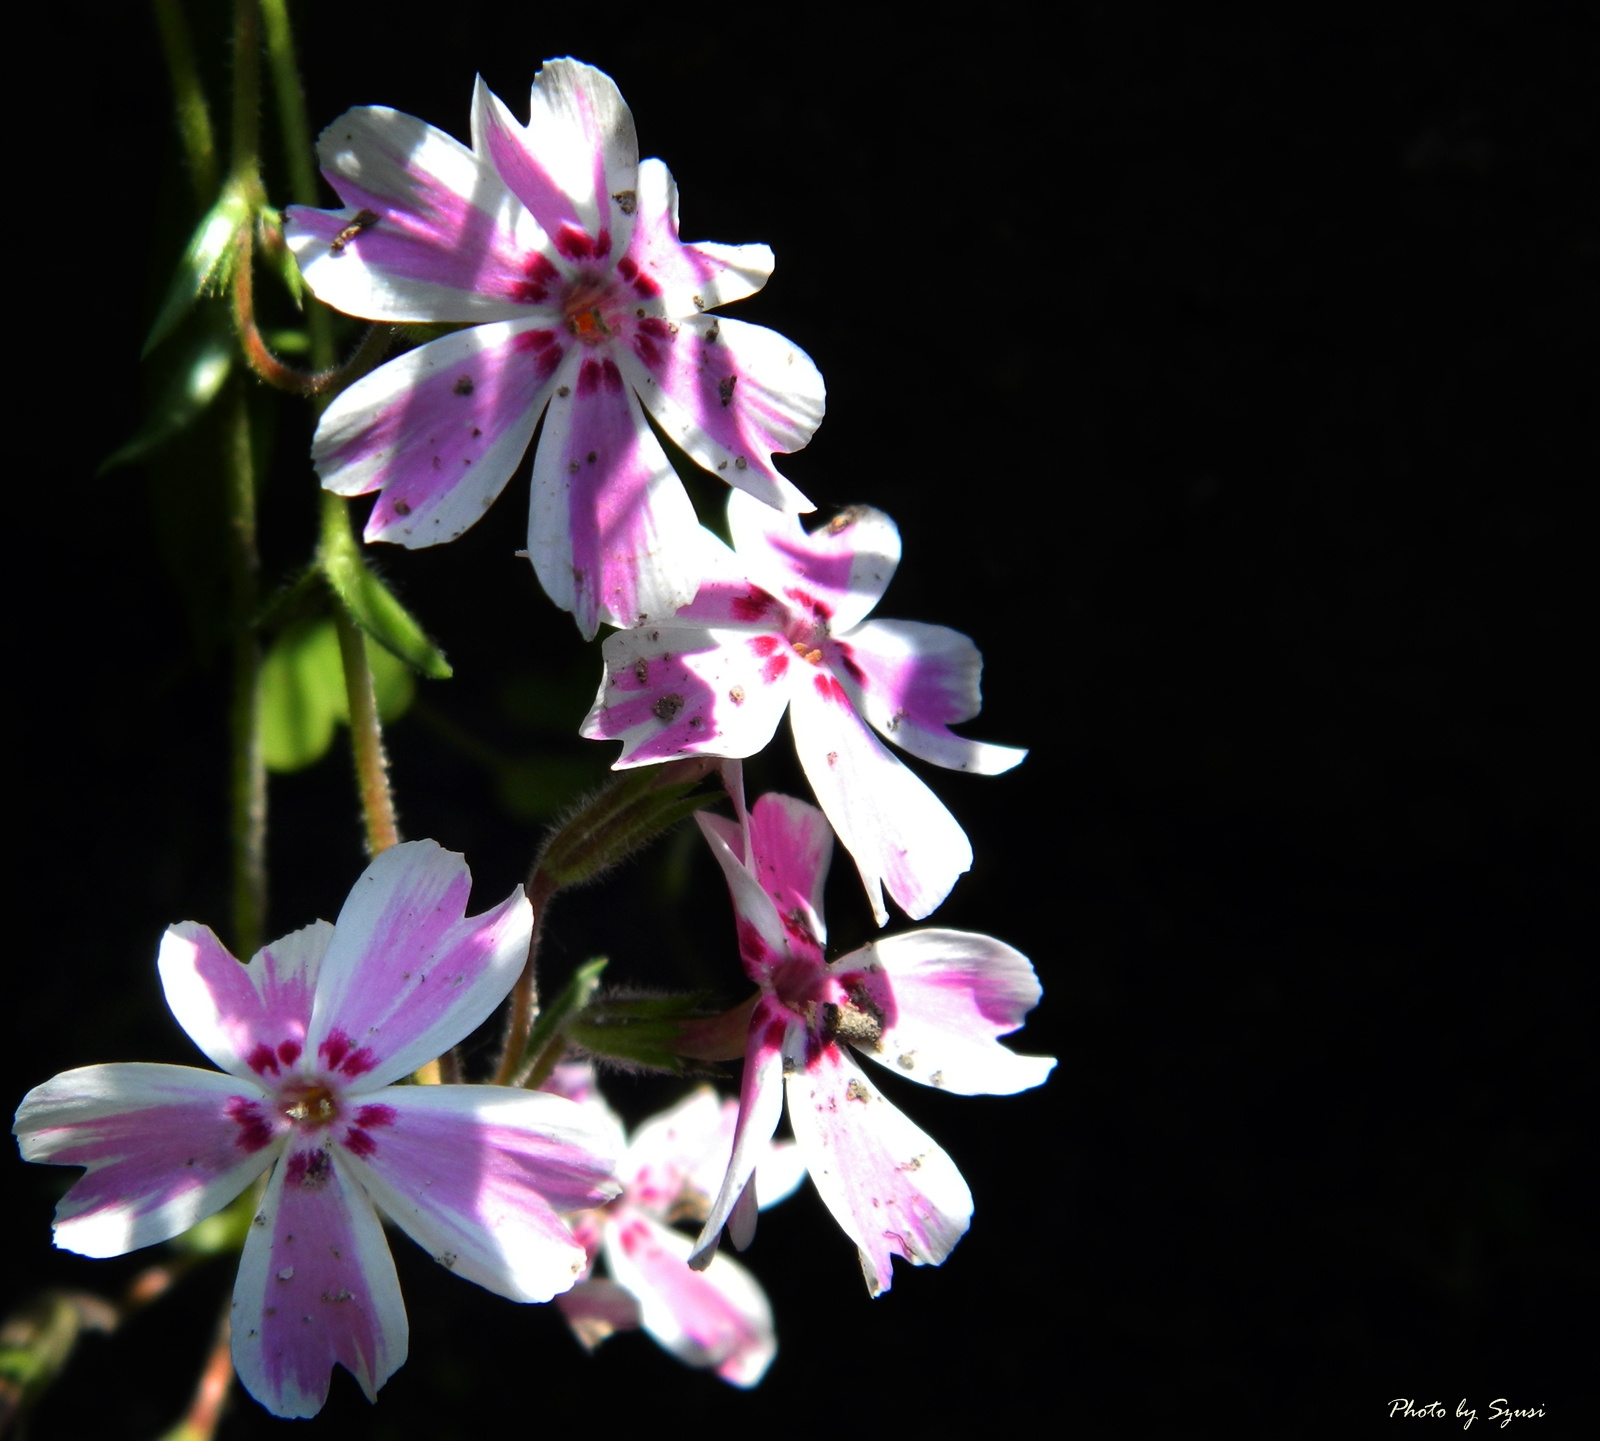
[{"x": 560, "y": 248}]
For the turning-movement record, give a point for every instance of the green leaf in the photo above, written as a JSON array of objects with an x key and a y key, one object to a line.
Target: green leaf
[
  {"x": 303, "y": 697},
  {"x": 374, "y": 607},
  {"x": 192, "y": 387},
  {"x": 547, "y": 1039},
  {"x": 203, "y": 264}
]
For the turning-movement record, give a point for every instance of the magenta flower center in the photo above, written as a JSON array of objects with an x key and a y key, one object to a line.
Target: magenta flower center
[{"x": 799, "y": 982}]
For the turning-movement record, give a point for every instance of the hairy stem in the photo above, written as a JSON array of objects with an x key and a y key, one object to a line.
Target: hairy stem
[
  {"x": 295, "y": 130},
  {"x": 245, "y": 158},
  {"x": 248, "y": 771},
  {"x": 366, "y": 734},
  {"x": 524, "y": 1006},
  {"x": 194, "y": 118}
]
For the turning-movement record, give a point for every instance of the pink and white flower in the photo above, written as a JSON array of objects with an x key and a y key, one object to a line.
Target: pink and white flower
[
  {"x": 311, "y": 1036},
  {"x": 561, "y": 248},
  {"x": 780, "y": 622},
  {"x": 719, "y": 1318},
  {"x": 930, "y": 1005}
]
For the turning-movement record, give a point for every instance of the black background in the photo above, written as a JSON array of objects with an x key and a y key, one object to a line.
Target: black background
[{"x": 1232, "y": 384}]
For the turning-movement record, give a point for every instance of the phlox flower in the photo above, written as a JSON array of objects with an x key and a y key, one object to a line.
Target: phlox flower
[
  {"x": 929, "y": 1004},
  {"x": 561, "y": 248},
  {"x": 780, "y": 622},
  {"x": 718, "y": 1318},
  {"x": 311, "y": 1036}
]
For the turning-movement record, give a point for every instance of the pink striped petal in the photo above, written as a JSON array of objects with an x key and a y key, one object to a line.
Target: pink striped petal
[
  {"x": 671, "y": 691},
  {"x": 667, "y": 1150},
  {"x": 316, "y": 1288},
  {"x": 476, "y": 1174},
  {"x": 690, "y": 278},
  {"x": 943, "y": 999},
  {"x": 439, "y": 429},
  {"x": 165, "y": 1147},
  {"x": 440, "y": 239},
  {"x": 611, "y": 533},
  {"x": 573, "y": 164},
  {"x": 760, "y": 1105},
  {"x": 778, "y": 1171},
  {"x": 596, "y": 1309},
  {"x": 730, "y": 394},
  {"x": 792, "y": 845},
  {"x": 764, "y": 941},
  {"x": 835, "y": 575},
  {"x": 407, "y": 974},
  {"x": 890, "y": 1187},
  {"x": 911, "y": 682},
  {"x": 897, "y": 831},
  {"x": 718, "y": 1318},
  {"x": 250, "y": 1020}
]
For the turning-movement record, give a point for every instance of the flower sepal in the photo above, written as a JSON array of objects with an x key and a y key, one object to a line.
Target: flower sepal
[{"x": 619, "y": 820}]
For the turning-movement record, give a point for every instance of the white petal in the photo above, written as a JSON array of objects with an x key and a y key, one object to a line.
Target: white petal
[
  {"x": 842, "y": 567},
  {"x": 165, "y": 1147},
  {"x": 911, "y": 681},
  {"x": 677, "y": 690},
  {"x": 439, "y": 429},
  {"x": 316, "y": 1288},
  {"x": 718, "y": 1318},
  {"x": 476, "y": 1175},
  {"x": 760, "y": 1105},
  {"x": 407, "y": 974},
  {"x": 889, "y": 1185},
  {"x": 897, "y": 831},
  {"x": 447, "y": 241},
  {"x": 250, "y": 1020},
  {"x": 943, "y": 999}
]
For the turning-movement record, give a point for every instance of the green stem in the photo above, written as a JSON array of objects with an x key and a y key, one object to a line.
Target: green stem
[
  {"x": 291, "y": 100},
  {"x": 245, "y": 161},
  {"x": 294, "y": 126},
  {"x": 524, "y": 1003},
  {"x": 194, "y": 118},
  {"x": 249, "y": 773},
  {"x": 248, "y": 781},
  {"x": 366, "y": 731}
]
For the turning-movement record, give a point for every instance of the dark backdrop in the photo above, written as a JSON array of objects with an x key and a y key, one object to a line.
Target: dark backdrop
[{"x": 1232, "y": 384}]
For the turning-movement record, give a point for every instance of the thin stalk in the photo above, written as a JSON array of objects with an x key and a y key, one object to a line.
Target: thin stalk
[
  {"x": 211, "y": 1390},
  {"x": 366, "y": 741},
  {"x": 524, "y": 1008},
  {"x": 366, "y": 733},
  {"x": 194, "y": 117},
  {"x": 291, "y": 100},
  {"x": 258, "y": 354},
  {"x": 245, "y": 157},
  {"x": 248, "y": 778},
  {"x": 295, "y": 129}
]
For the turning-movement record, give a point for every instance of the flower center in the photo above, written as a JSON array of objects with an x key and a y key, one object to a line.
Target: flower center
[
  {"x": 808, "y": 639},
  {"x": 585, "y": 310},
  {"x": 799, "y": 982},
  {"x": 309, "y": 1106}
]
